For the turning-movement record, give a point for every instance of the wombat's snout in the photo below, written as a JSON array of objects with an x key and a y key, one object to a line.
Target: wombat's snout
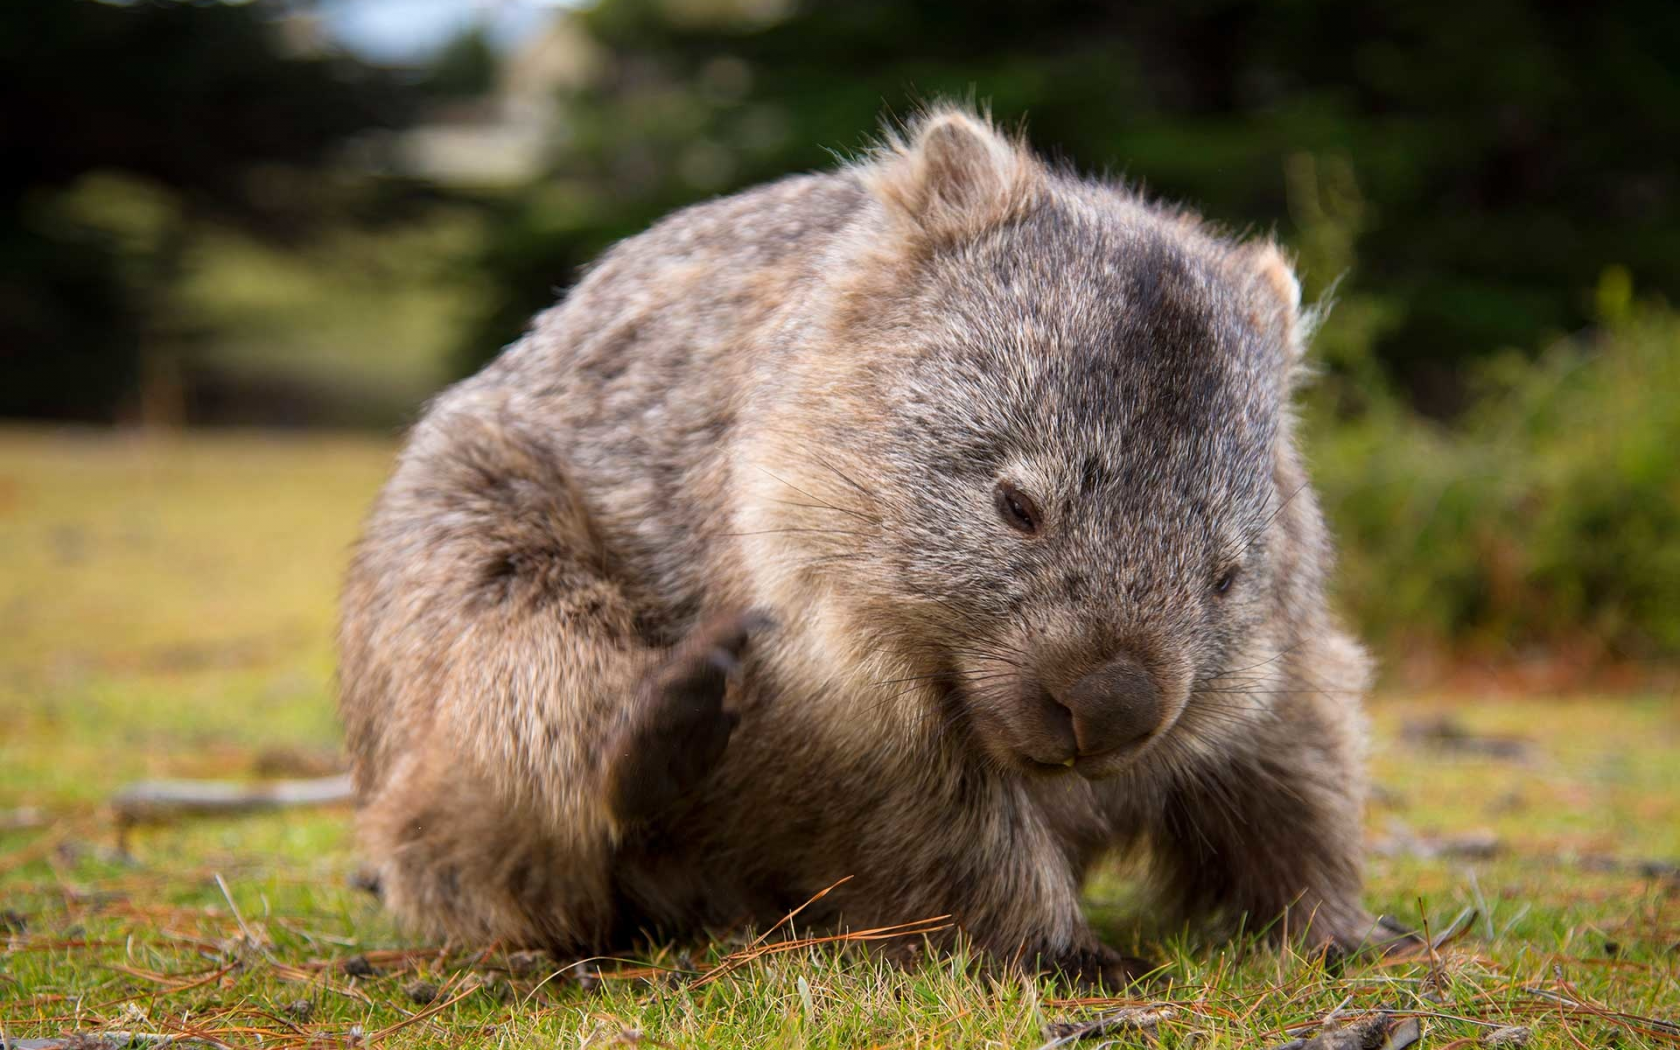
[{"x": 1115, "y": 707}]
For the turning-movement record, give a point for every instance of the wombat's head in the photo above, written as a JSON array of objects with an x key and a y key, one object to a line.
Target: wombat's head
[{"x": 1040, "y": 465}]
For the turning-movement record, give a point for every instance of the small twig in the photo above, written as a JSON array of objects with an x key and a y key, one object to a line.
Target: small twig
[
  {"x": 1126, "y": 1019},
  {"x": 150, "y": 801},
  {"x": 1364, "y": 1032},
  {"x": 113, "y": 1040},
  {"x": 1330, "y": 1018},
  {"x": 24, "y": 818}
]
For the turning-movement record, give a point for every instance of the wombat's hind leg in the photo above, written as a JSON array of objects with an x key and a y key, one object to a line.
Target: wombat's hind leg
[
  {"x": 455, "y": 861},
  {"x": 502, "y": 696},
  {"x": 680, "y": 722}
]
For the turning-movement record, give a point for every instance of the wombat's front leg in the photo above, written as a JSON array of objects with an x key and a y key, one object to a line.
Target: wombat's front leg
[
  {"x": 1008, "y": 885},
  {"x": 1101, "y": 968},
  {"x": 680, "y": 721},
  {"x": 1272, "y": 832}
]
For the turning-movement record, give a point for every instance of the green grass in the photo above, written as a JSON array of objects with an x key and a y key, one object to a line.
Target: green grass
[{"x": 166, "y": 610}]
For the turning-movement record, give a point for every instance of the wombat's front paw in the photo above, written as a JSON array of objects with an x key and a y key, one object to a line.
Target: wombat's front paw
[
  {"x": 681, "y": 722},
  {"x": 1102, "y": 969}
]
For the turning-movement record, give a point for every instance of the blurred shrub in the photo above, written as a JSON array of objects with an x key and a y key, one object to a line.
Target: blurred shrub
[
  {"x": 128, "y": 129},
  {"x": 1549, "y": 517},
  {"x": 1502, "y": 152},
  {"x": 70, "y": 331},
  {"x": 463, "y": 68}
]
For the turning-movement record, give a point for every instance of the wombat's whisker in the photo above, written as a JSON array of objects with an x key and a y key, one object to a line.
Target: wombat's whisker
[
  {"x": 943, "y": 676},
  {"x": 798, "y": 528},
  {"x": 913, "y": 688},
  {"x": 974, "y": 648},
  {"x": 1256, "y": 531},
  {"x": 820, "y": 504},
  {"x": 817, "y": 506},
  {"x": 1286, "y": 650}
]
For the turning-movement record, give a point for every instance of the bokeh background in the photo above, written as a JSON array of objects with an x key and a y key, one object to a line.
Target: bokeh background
[{"x": 240, "y": 244}]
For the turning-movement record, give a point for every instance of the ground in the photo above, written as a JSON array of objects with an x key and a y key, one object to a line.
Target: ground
[{"x": 166, "y": 609}]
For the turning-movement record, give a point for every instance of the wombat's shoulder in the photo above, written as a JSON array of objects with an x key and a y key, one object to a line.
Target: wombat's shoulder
[{"x": 693, "y": 283}]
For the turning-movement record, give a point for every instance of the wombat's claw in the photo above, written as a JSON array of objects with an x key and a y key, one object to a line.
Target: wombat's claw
[
  {"x": 682, "y": 723},
  {"x": 1102, "y": 969}
]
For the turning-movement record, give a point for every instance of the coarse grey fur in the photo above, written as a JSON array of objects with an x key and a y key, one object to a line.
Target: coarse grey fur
[{"x": 786, "y": 428}]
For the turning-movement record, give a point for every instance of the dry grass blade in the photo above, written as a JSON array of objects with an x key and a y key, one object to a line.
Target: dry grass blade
[
  {"x": 1651, "y": 1026},
  {"x": 789, "y": 917},
  {"x": 1454, "y": 930},
  {"x": 736, "y": 960},
  {"x": 251, "y": 939},
  {"x": 473, "y": 985}
]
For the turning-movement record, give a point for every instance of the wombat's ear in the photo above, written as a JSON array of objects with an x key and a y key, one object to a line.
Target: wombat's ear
[
  {"x": 953, "y": 175},
  {"x": 1275, "y": 299}
]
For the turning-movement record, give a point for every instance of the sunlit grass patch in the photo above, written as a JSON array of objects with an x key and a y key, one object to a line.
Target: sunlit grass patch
[{"x": 167, "y": 611}]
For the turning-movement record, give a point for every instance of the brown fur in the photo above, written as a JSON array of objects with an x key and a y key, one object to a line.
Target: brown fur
[{"x": 800, "y": 400}]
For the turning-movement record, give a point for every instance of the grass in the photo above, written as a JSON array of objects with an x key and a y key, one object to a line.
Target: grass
[{"x": 166, "y": 610}]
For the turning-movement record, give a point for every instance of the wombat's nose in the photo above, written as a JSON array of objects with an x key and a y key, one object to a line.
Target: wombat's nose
[{"x": 1115, "y": 706}]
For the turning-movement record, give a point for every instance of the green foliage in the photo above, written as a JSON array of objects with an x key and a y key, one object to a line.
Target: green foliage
[
  {"x": 465, "y": 67},
  {"x": 190, "y": 95},
  {"x": 200, "y": 107},
  {"x": 69, "y": 333},
  {"x": 352, "y": 325},
  {"x": 1502, "y": 153},
  {"x": 1549, "y": 517}
]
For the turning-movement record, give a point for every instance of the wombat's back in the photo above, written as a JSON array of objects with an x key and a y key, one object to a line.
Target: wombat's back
[
  {"x": 617, "y": 407},
  {"x": 640, "y": 374}
]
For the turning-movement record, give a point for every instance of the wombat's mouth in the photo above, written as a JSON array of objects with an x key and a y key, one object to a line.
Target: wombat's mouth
[
  {"x": 1091, "y": 767},
  {"x": 1049, "y": 769},
  {"x": 1101, "y": 764}
]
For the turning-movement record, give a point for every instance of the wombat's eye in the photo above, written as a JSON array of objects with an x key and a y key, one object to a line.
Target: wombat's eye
[
  {"x": 1223, "y": 583},
  {"x": 1017, "y": 508}
]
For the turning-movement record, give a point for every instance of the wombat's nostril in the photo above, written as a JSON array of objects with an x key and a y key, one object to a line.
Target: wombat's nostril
[
  {"x": 1054, "y": 743},
  {"x": 1116, "y": 706}
]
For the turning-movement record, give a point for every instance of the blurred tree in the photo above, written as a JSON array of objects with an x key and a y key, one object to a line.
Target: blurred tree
[
  {"x": 1503, "y": 152},
  {"x": 201, "y": 100},
  {"x": 465, "y": 67}
]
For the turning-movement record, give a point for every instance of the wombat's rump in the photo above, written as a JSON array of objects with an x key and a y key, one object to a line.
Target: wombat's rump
[{"x": 935, "y": 522}]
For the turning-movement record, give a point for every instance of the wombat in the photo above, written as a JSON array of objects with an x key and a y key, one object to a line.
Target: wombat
[{"x": 934, "y": 524}]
